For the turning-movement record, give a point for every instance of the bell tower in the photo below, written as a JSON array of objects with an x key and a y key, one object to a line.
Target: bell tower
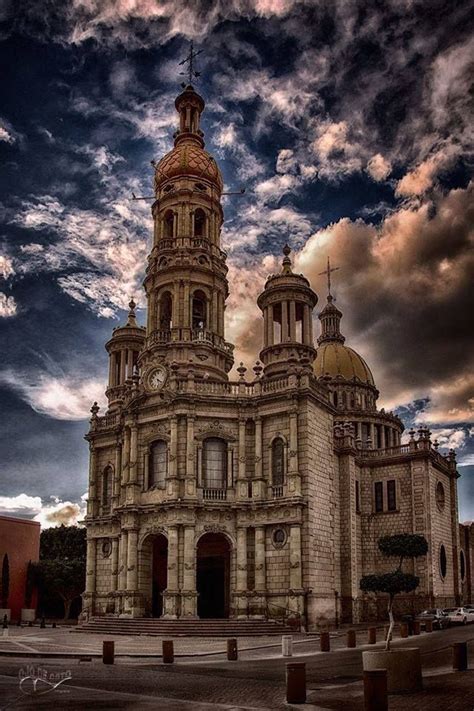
[
  {"x": 287, "y": 303},
  {"x": 186, "y": 278}
]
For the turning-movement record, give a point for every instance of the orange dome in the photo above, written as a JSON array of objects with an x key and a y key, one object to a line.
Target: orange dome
[{"x": 188, "y": 158}]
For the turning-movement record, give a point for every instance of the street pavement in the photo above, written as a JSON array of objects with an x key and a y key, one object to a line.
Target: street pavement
[{"x": 211, "y": 683}]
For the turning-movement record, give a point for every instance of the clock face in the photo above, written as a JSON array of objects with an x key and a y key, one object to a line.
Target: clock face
[{"x": 157, "y": 378}]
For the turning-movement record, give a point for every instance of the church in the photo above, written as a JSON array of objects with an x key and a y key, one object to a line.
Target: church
[{"x": 264, "y": 496}]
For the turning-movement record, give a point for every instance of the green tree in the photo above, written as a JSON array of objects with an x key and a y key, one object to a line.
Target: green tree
[
  {"x": 401, "y": 546},
  {"x": 65, "y": 578},
  {"x": 64, "y": 543},
  {"x": 29, "y": 584},
  {"x": 61, "y": 570},
  {"x": 5, "y": 591}
]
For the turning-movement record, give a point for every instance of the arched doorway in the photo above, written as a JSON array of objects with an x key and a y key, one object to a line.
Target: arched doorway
[
  {"x": 213, "y": 576},
  {"x": 159, "y": 574}
]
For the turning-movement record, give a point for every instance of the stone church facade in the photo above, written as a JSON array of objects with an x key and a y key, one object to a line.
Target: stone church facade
[{"x": 259, "y": 497}]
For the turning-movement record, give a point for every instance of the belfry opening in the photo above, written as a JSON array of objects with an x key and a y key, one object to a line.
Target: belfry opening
[{"x": 213, "y": 576}]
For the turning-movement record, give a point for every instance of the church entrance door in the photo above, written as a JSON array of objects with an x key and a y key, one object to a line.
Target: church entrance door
[
  {"x": 159, "y": 573},
  {"x": 213, "y": 576}
]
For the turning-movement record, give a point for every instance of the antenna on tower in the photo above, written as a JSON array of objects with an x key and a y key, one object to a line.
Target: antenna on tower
[{"x": 190, "y": 70}]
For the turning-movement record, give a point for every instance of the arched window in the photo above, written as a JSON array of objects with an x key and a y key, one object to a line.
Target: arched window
[
  {"x": 168, "y": 224},
  {"x": 443, "y": 561},
  {"x": 278, "y": 462},
  {"x": 214, "y": 463},
  {"x": 199, "y": 223},
  {"x": 158, "y": 465},
  {"x": 199, "y": 310},
  {"x": 107, "y": 475},
  {"x": 166, "y": 311}
]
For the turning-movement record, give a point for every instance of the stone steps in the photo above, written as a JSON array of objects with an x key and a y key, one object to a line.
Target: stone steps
[{"x": 184, "y": 628}]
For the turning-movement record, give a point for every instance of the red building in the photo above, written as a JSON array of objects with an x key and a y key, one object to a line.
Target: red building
[{"x": 20, "y": 540}]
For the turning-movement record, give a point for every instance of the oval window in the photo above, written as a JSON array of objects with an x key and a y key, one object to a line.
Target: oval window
[
  {"x": 440, "y": 496},
  {"x": 279, "y": 537},
  {"x": 443, "y": 563},
  {"x": 462, "y": 566}
]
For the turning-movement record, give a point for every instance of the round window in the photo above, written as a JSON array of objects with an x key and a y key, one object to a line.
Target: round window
[
  {"x": 443, "y": 563},
  {"x": 106, "y": 548},
  {"x": 462, "y": 566},
  {"x": 279, "y": 537},
  {"x": 440, "y": 497}
]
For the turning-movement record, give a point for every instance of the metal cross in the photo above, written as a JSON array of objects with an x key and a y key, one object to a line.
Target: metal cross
[
  {"x": 328, "y": 272},
  {"x": 190, "y": 71}
]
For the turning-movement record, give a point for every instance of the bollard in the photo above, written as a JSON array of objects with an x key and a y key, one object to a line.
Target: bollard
[
  {"x": 416, "y": 627},
  {"x": 108, "y": 652},
  {"x": 30, "y": 624},
  {"x": 372, "y": 635},
  {"x": 296, "y": 683},
  {"x": 403, "y": 629},
  {"x": 460, "y": 656},
  {"x": 429, "y": 626},
  {"x": 375, "y": 690},
  {"x": 324, "y": 642},
  {"x": 287, "y": 645},
  {"x": 351, "y": 638},
  {"x": 43, "y": 623},
  {"x": 168, "y": 652},
  {"x": 232, "y": 652}
]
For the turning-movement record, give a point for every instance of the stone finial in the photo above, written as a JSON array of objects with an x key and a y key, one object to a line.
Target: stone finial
[
  {"x": 257, "y": 369},
  {"x": 241, "y": 370},
  {"x": 436, "y": 444},
  {"x": 131, "y": 321},
  {"x": 94, "y": 410},
  {"x": 412, "y": 434},
  {"x": 286, "y": 260}
]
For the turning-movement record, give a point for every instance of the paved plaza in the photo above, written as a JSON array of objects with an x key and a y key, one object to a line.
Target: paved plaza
[{"x": 203, "y": 680}]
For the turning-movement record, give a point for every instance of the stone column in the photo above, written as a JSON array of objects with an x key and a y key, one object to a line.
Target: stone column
[
  {"x": 126, "y": 455},
  {"x": 186, "y": 306},
  {"x": 111, "y": 370},
  {"x": 129, "y": 363},
  {"x": 122, "y": 569},
  {"x": 382, "y": 437},
  {"x": 117, "y": 472},
  {"x": 114, "y": 564},
  {"x": 294, "y": 479},
  {"x": 307, "y": 326},
  {"x": 132, "y": 560},
  {"x": 242, "y": 484},
  {"x": 260, "y": 572},
  {"x": 259, "y": 485},
  {"x": 372, "y": 434},
  {"x": 190, "y": 458},
  {"x": 295, "y": 600},
  {"x": 123, "y": 356},
  {"x": 91, "y": 565},
  {"x": 240, "y": 597},
  {"x": 359, "y": 431},
  {"x": 172, "y": 488},
  {"x": 292, "y": 321},
  {"x": 92, "y": 500},
  {"x": 270, "y": 325},
  {"x": 170, "y": 595},
  {"x": 284, "y": 321},
  {"x": 189, "y": 594}
]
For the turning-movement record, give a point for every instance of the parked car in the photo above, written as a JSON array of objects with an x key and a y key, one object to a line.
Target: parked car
[
  {"x": 438, "y": 617},
  {"x": 459, "y": 615}
]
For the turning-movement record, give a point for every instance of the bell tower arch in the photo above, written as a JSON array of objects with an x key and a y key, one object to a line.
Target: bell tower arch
[{"x": 186, "y": 278}]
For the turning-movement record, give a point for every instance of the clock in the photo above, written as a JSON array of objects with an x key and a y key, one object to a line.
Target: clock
[{"x": 157, "y": 378}]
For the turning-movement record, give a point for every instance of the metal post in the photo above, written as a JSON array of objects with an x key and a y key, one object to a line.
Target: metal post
[
  {"x": 108, "y": 652},
  {"x": 351, "y": 638},
  {"x": 287, "y": 645},
  {"x": 429, "y": 626},
  {"x": 324, "y": 642},
  {"x": 296, "y": 683},
  {"x": 372, "y": 635},
  {"x": 460, "y": 656},
  {"x": 375, "y": 690},
  {"x": 168, "y": 652},
  {"x": 416, "y": 627},
  {"x": 232, "y": 652},
  {"x": 403, "y": 629}
]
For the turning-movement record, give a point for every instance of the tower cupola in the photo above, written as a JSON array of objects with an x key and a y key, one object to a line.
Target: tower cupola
[{"x": 287, "y": 303}]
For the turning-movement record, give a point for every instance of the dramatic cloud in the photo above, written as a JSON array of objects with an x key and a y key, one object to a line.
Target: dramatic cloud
[
  {"x": 64, "y": 398},
  {"x": 8, "y": 306},
  {"x": 378, "y": 167},
  {"x": 53, "y": 513}
]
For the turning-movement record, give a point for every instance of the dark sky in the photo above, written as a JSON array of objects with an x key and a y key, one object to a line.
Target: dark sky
[{"x": 348, "y": 123}]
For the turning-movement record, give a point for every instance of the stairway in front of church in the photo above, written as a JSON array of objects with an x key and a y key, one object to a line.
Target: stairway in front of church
[{"x": 183, "y": 628}]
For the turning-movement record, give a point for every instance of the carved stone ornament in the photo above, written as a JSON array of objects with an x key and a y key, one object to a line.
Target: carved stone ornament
[
  {"x": 189, "y": 566},
  {"x": 293, "y": 453},
  {"x": 215, "y": 529},
  {"x": 296, "y": 564},
  {"x": 241, "y": 567},
  {"x": 106, "y": 548}
]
